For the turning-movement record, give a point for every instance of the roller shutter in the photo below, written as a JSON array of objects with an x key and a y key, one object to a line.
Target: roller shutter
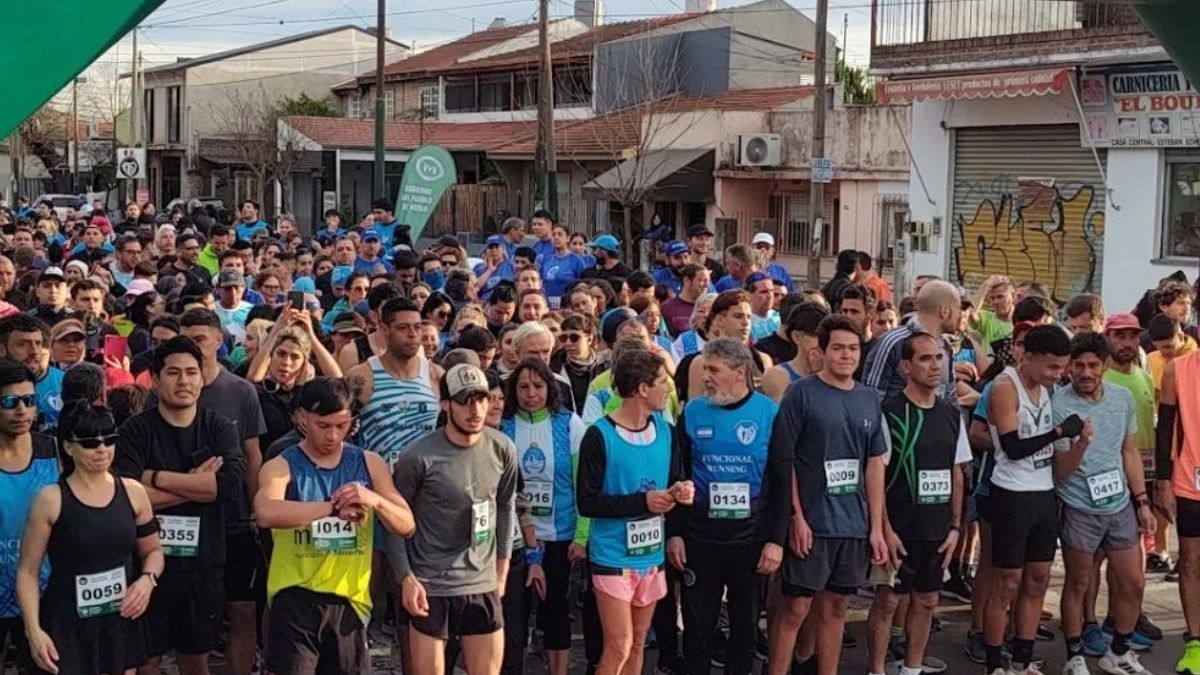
[{"x": 1028, "y": 203}]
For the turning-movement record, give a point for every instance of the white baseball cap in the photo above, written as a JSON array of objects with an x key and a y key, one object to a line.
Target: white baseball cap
[{"x": 763, "y": 238}]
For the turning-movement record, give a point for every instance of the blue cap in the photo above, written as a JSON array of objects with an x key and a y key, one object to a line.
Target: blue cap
[
  {"x": 340, "y": 275},
  {"x": 304, "y": 285},
  {"x": 496, "y": 240},
  {"x": 676, "y": 247},
  {"x": 606, "y": 242},
  {"x": 755, "y": 278},
  {"x": 370, "y": 233}
]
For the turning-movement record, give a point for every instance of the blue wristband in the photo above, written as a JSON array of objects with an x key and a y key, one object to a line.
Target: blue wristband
[{"x": 534, "y": 556}]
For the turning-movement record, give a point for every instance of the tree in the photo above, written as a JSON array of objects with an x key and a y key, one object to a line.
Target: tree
[
  {"x": 638, "y": 87},
  {"x": 855, "y": 87},
  {"x": 251, "y": 120},
  {"x": 303, "y": 106}
]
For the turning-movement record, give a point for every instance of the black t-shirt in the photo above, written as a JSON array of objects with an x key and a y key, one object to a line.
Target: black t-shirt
[
  {"x": 618, "y": 271},
  {"x": 779, "y": 349},
  {"x": 148, "y": 442},
  {"x": 276, "y": 411},
  {"x": 862, "y": 359},
  {"x": 715, "y": 269},
  {"x": 920, "y": 472}
]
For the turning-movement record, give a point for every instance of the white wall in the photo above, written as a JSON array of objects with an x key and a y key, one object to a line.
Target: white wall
[
  {"x": 930, "y": 199},
  {"x": 1136, "y": 177}
]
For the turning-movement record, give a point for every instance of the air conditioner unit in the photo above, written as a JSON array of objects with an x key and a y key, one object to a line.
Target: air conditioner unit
[{"x": 758, "y": 150}]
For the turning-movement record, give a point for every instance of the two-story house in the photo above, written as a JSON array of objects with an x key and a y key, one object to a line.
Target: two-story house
[
  {"x": 477, "y": 96},
  {"x": 1050, "y": 141},
  {"x": 197, "y": 112}
]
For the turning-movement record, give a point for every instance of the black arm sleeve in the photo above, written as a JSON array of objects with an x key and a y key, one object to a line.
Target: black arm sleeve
[
  {"x": 681, "y": 465},
  {"x": 589, "y": 488},
  {"x": 1017, "y": 448},
  {"x": 1164, "y": 436},
  {"x": 781, "y": 461}
]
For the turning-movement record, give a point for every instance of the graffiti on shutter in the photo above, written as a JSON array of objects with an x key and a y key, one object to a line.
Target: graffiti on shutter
[{"x": 1034, "y": 216}]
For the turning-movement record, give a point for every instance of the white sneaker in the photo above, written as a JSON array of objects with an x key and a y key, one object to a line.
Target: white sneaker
[
  {"x": 1126, "y": 664},
  {"x": 1076, "y": 666}
]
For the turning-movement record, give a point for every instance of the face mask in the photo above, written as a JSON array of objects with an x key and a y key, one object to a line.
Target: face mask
[{"x": 436, "y": 279}]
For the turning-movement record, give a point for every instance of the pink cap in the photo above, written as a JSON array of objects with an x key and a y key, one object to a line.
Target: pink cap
[
  {"x": 1121, "y": 322},
  {"x": 139, "y": 286}
]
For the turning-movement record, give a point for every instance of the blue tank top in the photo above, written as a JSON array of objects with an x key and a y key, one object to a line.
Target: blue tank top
[
  {"x": 400, "y": 411},
  {"x": 631, "y": 543},
  {"x": 311, "y": 483},
  {"x": 49, "y": 397},
  {"x": 17, "y": 491},
  {"x": 792, "y": 374},
  {"x": 547, "y": 473},
  {"x": 729, "y": 446},
  {"x": 690, "y": 341}
]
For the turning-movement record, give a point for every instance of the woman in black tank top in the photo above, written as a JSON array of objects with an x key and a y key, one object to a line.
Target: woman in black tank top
[{"x": 102, "y": 540}]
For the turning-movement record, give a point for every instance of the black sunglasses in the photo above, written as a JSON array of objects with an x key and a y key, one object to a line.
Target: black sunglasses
[
  {"x": 10, "y": 401},
  {"x": 95, "y": 442},
  {"x": 571, "y": 337}
]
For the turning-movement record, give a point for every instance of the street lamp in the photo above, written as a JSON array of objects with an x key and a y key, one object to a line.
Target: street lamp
[{"x": 75, "y": 131}]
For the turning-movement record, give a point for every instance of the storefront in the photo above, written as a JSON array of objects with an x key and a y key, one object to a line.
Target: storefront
[{"x": 1039, "y": 175}]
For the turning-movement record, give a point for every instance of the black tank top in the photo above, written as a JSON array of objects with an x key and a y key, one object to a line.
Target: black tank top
[
  {"x": 363, "y": 344},
  {"x": 89, "y": 540}
]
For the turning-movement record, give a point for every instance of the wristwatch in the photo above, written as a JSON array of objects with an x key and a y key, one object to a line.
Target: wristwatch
[
  {"x": 535, "y": 556},
  {"x": 153, "y": 578}
]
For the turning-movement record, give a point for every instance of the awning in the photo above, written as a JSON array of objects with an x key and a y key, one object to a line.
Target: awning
[
  {"x": 981, "y": 85},
  {"x": 670, "y": 175}
]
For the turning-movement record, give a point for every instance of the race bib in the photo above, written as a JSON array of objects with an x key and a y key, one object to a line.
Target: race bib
[
  {"x": 841, "y": 476},
  {"x": 180, "y": 535},
  {"x": 540, "y": 494},
  {"x": 1148, "y": 465},
  {"x": 729, "y": 501},
  {"x": 334, "y": 534},
  {"x": 1044, "y": 457},
  {"x": 933, "y": 486},
  {"x": 643, "y": 537},
  {"x": 481, "y": 522},
  {"x": 1196, "y": 479},
  {"x": 1106, "y": 488},
  {"x": 99, "y": 594}
]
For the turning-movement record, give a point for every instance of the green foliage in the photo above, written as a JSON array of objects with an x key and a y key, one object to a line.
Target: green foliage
[
  {"x": 855, "y": 87},
  {"x": 304, "y": 106}
]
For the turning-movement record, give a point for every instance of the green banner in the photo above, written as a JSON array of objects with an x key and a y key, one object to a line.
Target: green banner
[
  {"x": 29, "y": 77},
  {"x": 427, "y": 174}
]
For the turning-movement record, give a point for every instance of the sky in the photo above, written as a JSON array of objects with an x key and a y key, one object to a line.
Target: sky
[{"x": 190, "y": 28}]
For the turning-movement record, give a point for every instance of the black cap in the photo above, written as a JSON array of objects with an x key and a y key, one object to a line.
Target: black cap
[
  {"x": 699, "y": 231},
  {"x": 448, "y": 240}
]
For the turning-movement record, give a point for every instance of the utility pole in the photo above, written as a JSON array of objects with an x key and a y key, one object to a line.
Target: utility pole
[
  {"x": 75, "y": 132},
  {"x": 816, "y": 190},
  {"x": 135, "y": 134},
  {"x": 380, "y": 122},
  {"x": 545, "y": 157}
]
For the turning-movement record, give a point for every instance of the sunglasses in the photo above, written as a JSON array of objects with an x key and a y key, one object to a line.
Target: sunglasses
[
  {"x": 95, "y": 442},
  {"x": 572, "y": 337},
  {"x": 10, "y": 401}
]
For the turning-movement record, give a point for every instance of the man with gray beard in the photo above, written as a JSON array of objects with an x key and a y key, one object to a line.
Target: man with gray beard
[{"x": 718, "y": 541}]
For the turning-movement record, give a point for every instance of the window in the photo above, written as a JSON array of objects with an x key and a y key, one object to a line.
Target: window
[
  {"x": 495, "y": 92},
  {"x": 429, "y": 102},
  {"x": 572, "y": 86},
  {"x": 526, "y": 90},
  {"x": 460, "y": 94},
  {"x": 174, "y": 113},
  {"x": 389, "y": 104},
  {"x": 1181, "y": 231},
  {"x": 796, "y": 233},
  {"x": 148, "y": 114},
  {"x": 354, "y": 106}
]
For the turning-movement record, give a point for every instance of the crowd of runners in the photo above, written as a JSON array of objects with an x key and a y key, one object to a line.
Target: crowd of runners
[{"x": 233, "y": 439}]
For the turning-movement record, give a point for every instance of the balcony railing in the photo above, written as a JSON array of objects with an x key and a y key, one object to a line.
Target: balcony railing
[{"x": 910, "y": 22}]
